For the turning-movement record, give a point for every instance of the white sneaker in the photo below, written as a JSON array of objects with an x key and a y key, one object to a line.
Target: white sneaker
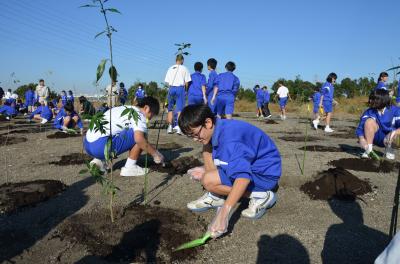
[
  {"x": 258, "y": 206},
  {"x": 170, "y": 130},
  {"x": 315, "y": 123},
  {"x": 269, "y": 116},
  {"x": 177, "y": 130},
  {"x": 44, "y": 121},
  {"x": 132, "y": 171},
  {"x": 328, "y": 129},
  {"x": 365, "y": 155},
  {"x": 99, "y": 163},
  {"x": 389, "y": 153},
  {"x": 205, "y": 202}
]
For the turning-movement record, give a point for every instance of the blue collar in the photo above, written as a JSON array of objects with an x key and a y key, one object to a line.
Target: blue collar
[{"x": 217, "y": 131}]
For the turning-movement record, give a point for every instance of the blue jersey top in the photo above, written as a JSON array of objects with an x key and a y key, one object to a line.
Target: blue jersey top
[
  {"x": 140, "y": 93},
  {"x": 8, "y": 110},
  {"x": 198, "y": 81},
  {"x": 44, "y": 111},
  {"x": 70, "y": 98},
  {"x": 227, "y": 83},
  {"x": 327, "y": 91},
  {"x": 316, "y": 98},
  {"x": 59, "y": 120},
  {"x": 242, "y": 150},
  {"x": 388, "y": 121},
  {"x": 64, "y": 99},
  {"x": 259, "y": 94},
  {"x": 212, "y": 79},
  {"x": 266, "y": 96},
  {"x": 398, "y": 93},
  {"x": 381, "y": 85},
  {"x": 29, "y": 97},
  {"x": 123, "y": 93}
]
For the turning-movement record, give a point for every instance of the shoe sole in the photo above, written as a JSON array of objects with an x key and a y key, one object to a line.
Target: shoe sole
[
  {"x": 261, "y": 212},
  {"x": 199, "y": 210}
]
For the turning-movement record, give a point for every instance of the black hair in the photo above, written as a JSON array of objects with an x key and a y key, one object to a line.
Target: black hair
[
  {"x": 316, "y": 88},
  {"x": 379, "y": 99},
  {"x": 265, "y": 87},
  {"x": 151, "y": 102},
  {"x": 82, "y": 99},
  {"x": 381, "y": 75},
  {"x": 330, "y": 77},
  {"x": 9, "y": 90},
  {"x": 230, "y": 66},
  {"x": 69, "y": 107},
  {"x": 41, "y": 80},
  {"x": 63, "y": 91},
  {"x": 70, "y": 92},
  {"x": 257, "y": 86},
  {"x": 180, "y": 57},
  {"x": 212, "y": 63},
  {"x": 50, "y": 104},
  {"x": 198, "y": 66},
  {"x": 7, "y": 103},
  {"x": 122, "y": 85},
  {"x": 194, "y": 116},
  {"x": 37, "y": 104}
]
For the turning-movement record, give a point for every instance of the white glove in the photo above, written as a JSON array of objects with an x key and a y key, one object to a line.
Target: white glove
[
  {"x": 219, "y": 225},
  {"x": 205, "y": 99},
  {"x": 158, "y": 157},
  {"x": 389, "y": 138},
  {"x": 196, "y": 173}
]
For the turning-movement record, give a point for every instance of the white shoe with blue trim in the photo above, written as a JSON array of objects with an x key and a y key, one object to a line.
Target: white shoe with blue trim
[
  {"x": 258, "y": 206},
  {"x": 205, "y": 202}
]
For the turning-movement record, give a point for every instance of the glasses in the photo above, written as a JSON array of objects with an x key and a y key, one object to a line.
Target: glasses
[{"x": 196, "y": 135}]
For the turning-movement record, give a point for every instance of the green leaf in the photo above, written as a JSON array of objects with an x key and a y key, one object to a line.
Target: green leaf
[
  {"x": 88, "y": 6},
  {"x": 83, "y": 171},
  {"x": 107, "y": 149},
  {"x": 113, "y": 73},
  {"x": 125, "y": 112},
  {"x": 100, "y": 69},
  {"x": 101, "y": 33},
  {"x": 113, "y": 10}
]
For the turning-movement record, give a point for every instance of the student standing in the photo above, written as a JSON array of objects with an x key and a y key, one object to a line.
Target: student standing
[
  {"x": 283, "y": 94},
  {"x": 29, "y": 98},
  {"x": 70, "y": 97},
  {"x": 212, "y": 81},
  {"x": 326, "y": 101},
  {"x": 127, "y": 135},
  {"x": 197, "y": 88},
  {"x": 240, "y": 160},
  {"x": 259, "y": 100},
  {"x": 123, "y": 94},
  {"x": 225, "y": 91},
  {"x": 63, "y": 98},
  {"x": 42, "y": 92},
  {"x": 140, "y": 93},
  {"x": 398, "y": 94},
  {"x": 267, "y": 96},
  {"x": 178, "y": 78},
  {"x": 382, "y": 79}
]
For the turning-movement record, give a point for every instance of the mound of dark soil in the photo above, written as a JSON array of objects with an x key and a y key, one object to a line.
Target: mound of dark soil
[
  {"x": 60, "y": 134},
  {"x": 72, "y": 159},
  {"x": 7, "y": 140},
  {"x": 299, "y": 138},
  {"x": 16, "y": 195},
  {"x": 140, "y": 234},
  {"x": 320, "y": 148},
  {"x": 179, "y": 166},
  {"x": 271, "y": 122},
  {"x": 336, "y": 183},
  {"x": 168, "y": 146},
  {"x": 368, "y": 165}
]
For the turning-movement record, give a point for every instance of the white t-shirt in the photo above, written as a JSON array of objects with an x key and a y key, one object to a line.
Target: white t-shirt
[
  {"x": 119, "y": 123},
  {"x": 177, "y": 75},
  {"x": 42, "y": 91},
  {"x": 112, "y": 90},
  {"x": 282, "y": 92}
]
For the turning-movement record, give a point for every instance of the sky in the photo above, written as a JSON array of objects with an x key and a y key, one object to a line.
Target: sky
[{"x": 54, "y": 39}]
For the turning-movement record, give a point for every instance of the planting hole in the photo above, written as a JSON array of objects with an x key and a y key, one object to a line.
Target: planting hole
[
  {"x": 72, "y": 159},
  {"x": 367, "y": 165}
]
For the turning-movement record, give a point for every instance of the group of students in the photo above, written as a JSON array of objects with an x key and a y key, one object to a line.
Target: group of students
[
  {"x": 262, "y": 99},
  {"x": 218, "y": 92}
]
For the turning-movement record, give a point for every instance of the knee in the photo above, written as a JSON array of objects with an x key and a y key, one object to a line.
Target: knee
[
  {"x": 371, "y": 124},
  {"x": 208, "y": 181}
]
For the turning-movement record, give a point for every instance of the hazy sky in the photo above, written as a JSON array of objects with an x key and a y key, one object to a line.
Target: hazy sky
[{"x": 54, "y": 39}]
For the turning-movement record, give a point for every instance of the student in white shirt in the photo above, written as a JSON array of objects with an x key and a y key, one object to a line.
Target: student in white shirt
[
  {"x": 42, "y": 92},
  {"x": 283, "y": 94},
  {"x": 178, "y": 78},
  {"x": 112, "y": 94},
  {"x": 127, "y": 135}
]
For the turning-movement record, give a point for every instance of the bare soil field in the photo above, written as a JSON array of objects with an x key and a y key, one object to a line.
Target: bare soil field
[{"x": 337, "y": 211}]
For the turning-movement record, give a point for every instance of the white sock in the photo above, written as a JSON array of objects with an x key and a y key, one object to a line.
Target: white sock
[
  {"x": 130, "y": 163},
  {"x": 369, "y": 148}
]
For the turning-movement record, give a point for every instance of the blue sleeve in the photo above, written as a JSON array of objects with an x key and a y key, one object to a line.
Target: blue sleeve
[
  {"x": 37, "y": 111},
  {"x": 365, "y": 116},
  {"x": 80, "y": 125},
  {"x": 2, "y": 109},
  {"x": 236, "y": 85},
  {"x": 239, "y": 164},
  {"x": 396, "y": 117},
  {"x": 203, "y": 80},
  {"x": 59, "y": 120}
]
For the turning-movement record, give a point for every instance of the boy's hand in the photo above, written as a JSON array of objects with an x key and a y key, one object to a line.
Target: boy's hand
[
  {"x": 158, "y": 157},
  {"x": 219, "y": 225},
  {"x": 196, "y": 173},
  {"x": 205, "y": 99}
]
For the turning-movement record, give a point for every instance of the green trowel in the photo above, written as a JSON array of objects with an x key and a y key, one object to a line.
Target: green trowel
[{"x": 195, "y": 243}]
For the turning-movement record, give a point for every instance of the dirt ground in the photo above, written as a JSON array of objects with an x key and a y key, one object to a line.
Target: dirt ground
[{"x": 73, "y": 226}]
